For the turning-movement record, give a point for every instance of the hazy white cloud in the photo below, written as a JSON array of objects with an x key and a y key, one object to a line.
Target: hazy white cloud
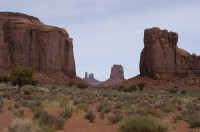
[{"x": 111, "y": 32}]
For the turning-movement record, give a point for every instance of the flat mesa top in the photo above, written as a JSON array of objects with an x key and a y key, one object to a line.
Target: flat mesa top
[{"x": 19, "y": 15}]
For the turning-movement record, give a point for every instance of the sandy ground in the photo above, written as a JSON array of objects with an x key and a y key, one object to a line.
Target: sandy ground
[
  {"x": 7, "y": 117},
  {"x": 77, "y": 123},
  {"x": 179, "y": 126}
]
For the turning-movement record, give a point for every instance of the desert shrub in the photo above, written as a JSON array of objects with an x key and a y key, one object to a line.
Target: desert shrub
[
  {"x": 132, "y": 88},
  {"x": 71, "y": 83},
  {"x": 27, "y": 92},
  {"x": 195, "y": 122},
  {"x": 183, "y": 92},
  {"x": 54, "y": 102},
  {"x": 33, "y": 105},
  {"x": 7, "y": 96},
  {"x": 119, "y": 105},
  {"x": 142, "y": 123},
  {"x": 14, "y": 106},
  {"x": 103, "y": 106},
  {"x": 19, "y": 125},
  {"x": 43, "y": 117},
  {"x": 192, "y": 119},
  {"x": 168, "y": 106},
  {"x": 34, "y": 82},
  {"x": 179, "y": 108},
  {"x": 24, "y": 103},
  {"x": 59, "y": 122},
  {"x": 28, "y": 97},
  {"x": 90, "y": 116},
  {"x": 172, "y": 90},
  {"x": 102, "y": 115},
  {"x": 107, "y": 109},
  {"x": 82, "y": 106},
  {"x": 76, "y": 102},
  {"x": 1, "y": 103},
  {"x": 191, "y": 108},
  {"x": 141, "y": 86},
  {"x": 82, "y": 85},
  {"x": 19, "y": 113},
  {"x": 191, "y": 114},
  {"x": 115, "y": 118},
  {"x": 121, "y": 87},
  {"x": 145, "y": 110},
  {"x": 45, "y": 128},
  {"x": 66, "y": 113},
  {"x": 4, "y": 79}
]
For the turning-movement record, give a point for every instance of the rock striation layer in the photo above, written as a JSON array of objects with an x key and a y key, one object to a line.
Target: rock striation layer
[
  {"x": 26, "y": 41},
  {"x": 161, "y": 55}
]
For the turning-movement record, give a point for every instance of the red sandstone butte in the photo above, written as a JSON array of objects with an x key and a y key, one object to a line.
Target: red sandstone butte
[
  {"x": 26, "y": 41},
  {"x": 116, "y": 76},
  {"x": 161, "y": 55}
]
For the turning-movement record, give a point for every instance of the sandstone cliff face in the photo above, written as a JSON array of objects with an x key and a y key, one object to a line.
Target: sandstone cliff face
[
  {"x": 117, "y": 71},
  {"x": 161, "y": 55},
  {"x": 24, "y": 40}
]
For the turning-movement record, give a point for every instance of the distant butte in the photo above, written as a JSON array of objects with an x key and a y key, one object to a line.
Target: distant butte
[
  {"x": 116, "y": 76},
  {"x": 90, "y": 79}
]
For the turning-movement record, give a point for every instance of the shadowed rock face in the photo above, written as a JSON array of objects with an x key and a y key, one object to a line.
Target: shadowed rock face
[
  {"x": 161, "y": 55},
  {"x": 24, "y": 40}
]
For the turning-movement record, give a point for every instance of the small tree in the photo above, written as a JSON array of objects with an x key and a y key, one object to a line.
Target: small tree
[{"x": 21, "y": 76}]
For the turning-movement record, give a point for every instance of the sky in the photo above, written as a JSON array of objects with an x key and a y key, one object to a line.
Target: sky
[{"x": 108, "y": 32}]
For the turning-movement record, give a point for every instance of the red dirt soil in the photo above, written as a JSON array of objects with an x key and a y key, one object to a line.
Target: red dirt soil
[
  {"x": 7, "y": 117},
  {"x": 77, "y": 123},
  {"x": 180, "y": 125}
]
